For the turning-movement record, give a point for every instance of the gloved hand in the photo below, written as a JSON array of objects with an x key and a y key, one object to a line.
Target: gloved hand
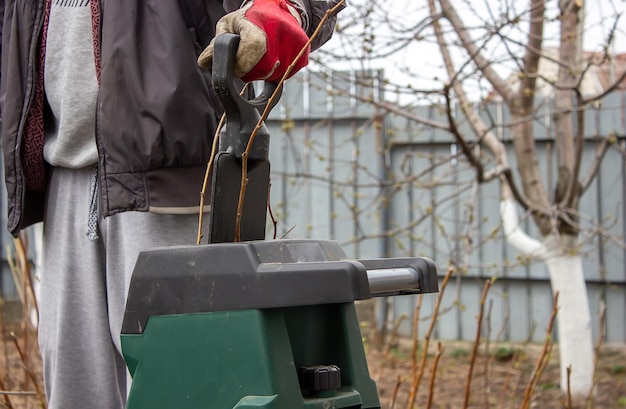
[{"x": 270, "y": 39}]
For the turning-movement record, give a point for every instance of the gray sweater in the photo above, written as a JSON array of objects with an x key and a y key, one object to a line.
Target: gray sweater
[{"x": 71, "y": 85}]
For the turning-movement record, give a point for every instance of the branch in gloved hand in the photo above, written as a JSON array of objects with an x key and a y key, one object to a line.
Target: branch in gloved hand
[
  {"x": 288, "y": 72},
  {"x": 329, "y": 15},
  {"x": 271, "y": 39}
]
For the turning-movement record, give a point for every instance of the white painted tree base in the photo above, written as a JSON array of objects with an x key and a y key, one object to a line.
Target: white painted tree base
[
  {"x": 575, "y": 337},
  {"x": 565, "y": 267}
]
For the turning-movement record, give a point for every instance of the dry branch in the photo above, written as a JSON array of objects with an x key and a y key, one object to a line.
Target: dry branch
[
  {"x": 28, "y": 370},
  {"x": 266, "y": 111},
  {"x": 390, "y": 342},
  {"x": 394, "y": 396},
  {"x": 416, "y": 314},
  {"x": 569, "y": 389},
  {"x": 544, "y": 357},
  {"x": 433, "y": 376},
  {"x": 416, "y": 380},
  {"x": 5, "y": 396},
  {"x": 468, "y": 381},
  {"x": 207, "y": 174},
  {"x": 596, "y": 355}
]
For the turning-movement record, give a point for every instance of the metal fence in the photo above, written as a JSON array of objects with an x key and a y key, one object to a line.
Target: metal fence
[
  {"x": 384, "y": 184},
  {"x": 347, "y": 167}
]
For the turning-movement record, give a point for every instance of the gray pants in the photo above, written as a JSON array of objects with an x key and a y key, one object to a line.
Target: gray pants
[{"x": 83, "y": 291}]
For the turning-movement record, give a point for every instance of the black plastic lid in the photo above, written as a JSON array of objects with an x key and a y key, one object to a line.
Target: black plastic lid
[{"x": 239, "y": 276}]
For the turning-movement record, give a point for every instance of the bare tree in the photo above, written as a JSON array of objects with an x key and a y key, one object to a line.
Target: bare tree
[{"x": 475, "y": 52}]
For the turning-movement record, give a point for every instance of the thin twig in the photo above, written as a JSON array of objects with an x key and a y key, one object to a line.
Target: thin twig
[
  {"x": 389, "y": 345},
  {"x": 416, "y": 315},
  {"x": 431, "y": 386},
  {"x": 569, "y": 387},
  {"x": 394, "y": 396},
  {"x": 5, "y": 396},
  {"x": 269, "y": 209},
  {"x": 21, "y": 244},
  {"x": 468, "y": 381},
  {"x": 488, "y": 361},
  {"x": 543, "y": 358},
  {"x": 543, "y": 365},
  {"x": 18, "y": 393},
  {"x": 27, "y": 369},
  {"x": 504, "y": 388},
  {"x": 417, "y": 379},
  {"x": 596, "y": 357},
  {"x": 3, "y": 329},
  {"x": 207, "y": 174},
  {"x": 13, "y": 266},
  {"x": 288, "y": 231}
]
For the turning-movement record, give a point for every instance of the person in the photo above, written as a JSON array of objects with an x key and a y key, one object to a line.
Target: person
[{"x": 108, "y": 122}]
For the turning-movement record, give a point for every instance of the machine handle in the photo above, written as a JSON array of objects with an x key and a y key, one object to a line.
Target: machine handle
[
  {"x": 398, "y": 276},
  {"x": 242, "y": 115},
  {"x": 388, "y": 280}
]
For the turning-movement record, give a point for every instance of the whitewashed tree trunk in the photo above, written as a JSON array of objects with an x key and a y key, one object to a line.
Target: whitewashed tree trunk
[{"x": 575, "y": 338}]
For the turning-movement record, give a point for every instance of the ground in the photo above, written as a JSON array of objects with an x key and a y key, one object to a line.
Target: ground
[{"x": 499, "y": 379}]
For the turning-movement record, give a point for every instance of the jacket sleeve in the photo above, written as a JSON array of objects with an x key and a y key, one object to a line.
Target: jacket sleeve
[
  {"x": 311, "y": 13},
  {"x": 4, "y": 34},
  {"x": 1, "y": 27}
]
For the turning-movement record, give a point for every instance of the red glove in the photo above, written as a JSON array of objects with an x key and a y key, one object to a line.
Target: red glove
[{"x": 270, "y": 39}]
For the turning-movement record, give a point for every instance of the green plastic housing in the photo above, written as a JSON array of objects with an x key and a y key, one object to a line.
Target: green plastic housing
[
  {"x": 247, "y": 359},
  {"x": 231, "y": 325}
]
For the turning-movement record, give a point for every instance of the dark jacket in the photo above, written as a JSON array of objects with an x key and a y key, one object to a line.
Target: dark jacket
[
  {"x": 1, "y": 25},
  {"x": 156, "y": 113}
]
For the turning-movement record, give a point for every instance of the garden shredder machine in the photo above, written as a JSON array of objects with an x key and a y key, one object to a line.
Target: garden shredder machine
[{"x": 243, "y": 322}]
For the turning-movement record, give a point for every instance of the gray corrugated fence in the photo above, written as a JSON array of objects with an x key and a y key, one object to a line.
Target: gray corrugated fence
[
  {"x": 347, "y": 167},
  {"x": 385, "y": 184}
]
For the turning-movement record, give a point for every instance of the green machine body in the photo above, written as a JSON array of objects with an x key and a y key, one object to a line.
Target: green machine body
[{"x": 261, "y": 324}]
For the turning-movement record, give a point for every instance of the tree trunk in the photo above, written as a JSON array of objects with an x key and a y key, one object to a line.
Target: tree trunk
[
  {"x": 565, "y": 267},
  {"x": 575, "y": 338}
]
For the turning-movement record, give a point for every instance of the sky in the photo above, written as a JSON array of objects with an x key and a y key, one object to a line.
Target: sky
[{"x": 417, "y": 63}]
